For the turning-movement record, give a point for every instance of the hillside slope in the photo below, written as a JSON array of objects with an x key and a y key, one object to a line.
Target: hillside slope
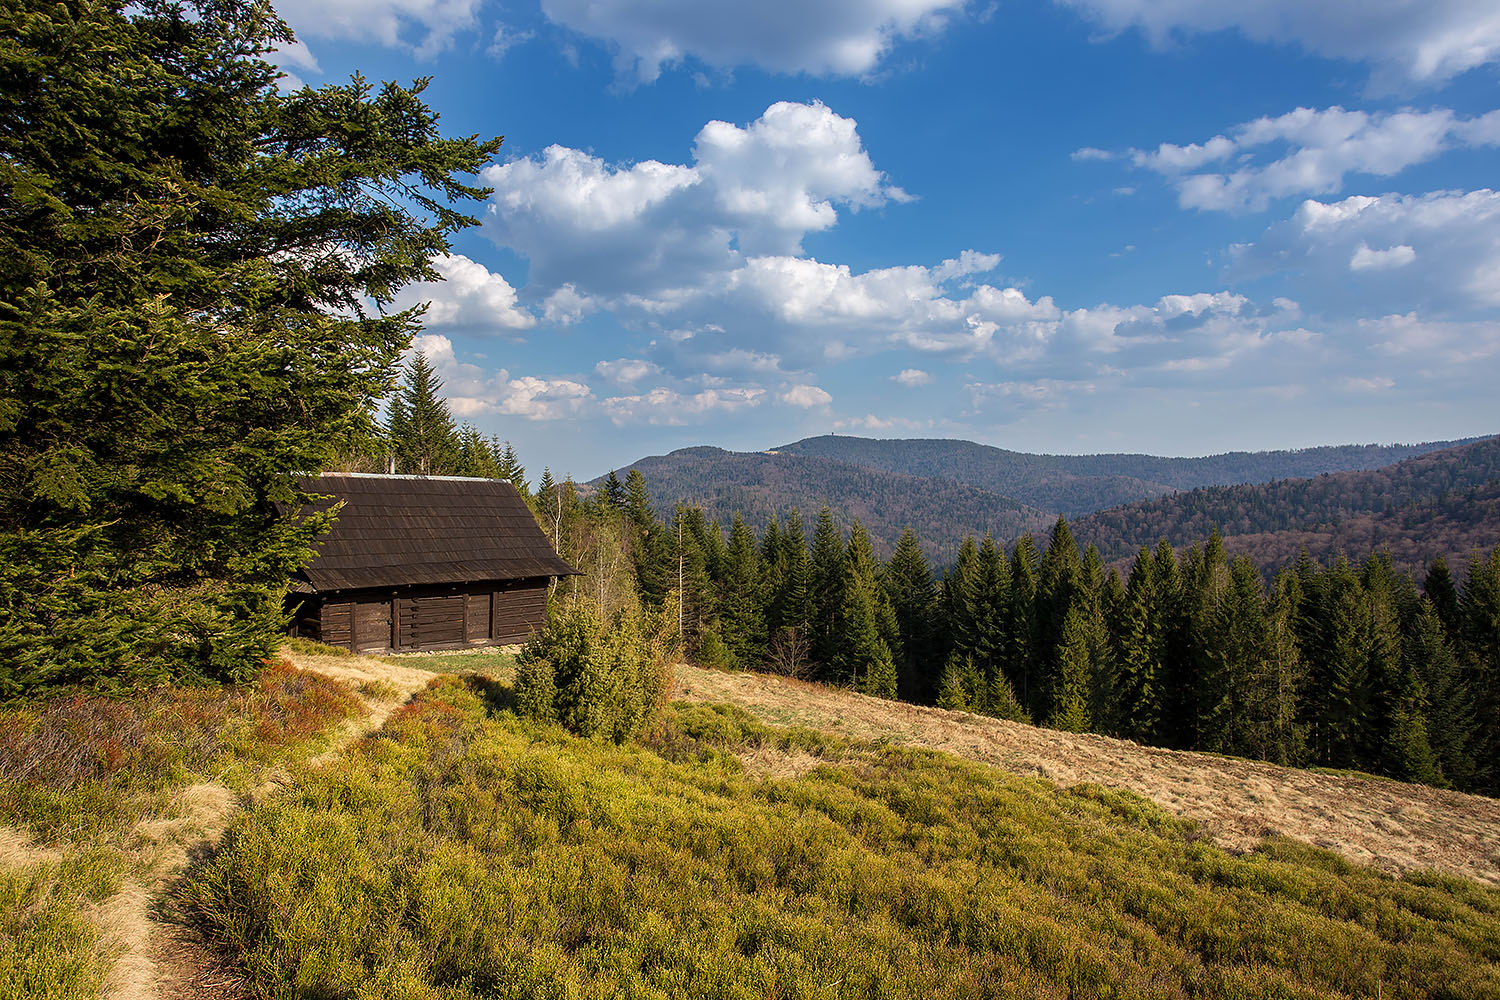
[
  {"x": 1079, "y": 484},
  {"x": 465, "y": 852},
  {"x": 757, "y": 485},
  {"x": 1391, "y": 825},
  {"x": 1446, "y": 502}
]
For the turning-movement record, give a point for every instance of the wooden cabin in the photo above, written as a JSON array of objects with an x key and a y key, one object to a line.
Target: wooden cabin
[{"x": 424, "y": 562}]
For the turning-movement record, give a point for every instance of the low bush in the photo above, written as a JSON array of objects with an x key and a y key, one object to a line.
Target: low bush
[
  {"x": 595, "y": 680},
  {"x": 461, "y": 853},
  {"x": 48, "y": 948},
  {"x": 85, "y": 761}
]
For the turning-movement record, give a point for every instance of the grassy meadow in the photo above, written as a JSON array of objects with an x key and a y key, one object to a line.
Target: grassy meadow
[
  {"x": 460, "y": 852},
  {"x": 95, "y": 791}
]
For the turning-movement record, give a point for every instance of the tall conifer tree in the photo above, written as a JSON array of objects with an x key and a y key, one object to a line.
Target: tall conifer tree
[
  {"x": 827, "y": 576},
  {"x": 742, "y": 610},
  {"x": 1141, "y": 649},
  {"x": 1069, "y": 696},
  {"x": 190, "y": 257},
  {"x": 423, "y": 438},
  {"x": 1451, "y": 727},
  {"x": 1479, "y": 614},
  {"x": 1022, "y": 626},
  {"x": 794, "y": 599},
  {"x": 913, "y": 598}
]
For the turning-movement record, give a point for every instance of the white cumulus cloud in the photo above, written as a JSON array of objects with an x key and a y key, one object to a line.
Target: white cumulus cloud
[
  {"x": 470, "y": 296},
  {"x": 1424, "y": 42},
  {"x": 426, "y": 27},
  {"x": 1437, "y": 252},
  {"x": 781, "y": 176},
  {"x": 912, "y": 377},
  {"x": 833, "y": 37},
  {"x": 664, "y": 405},
  {"x": 626, "y": 371},
  {"x": 1309, "y": 151},
  {"x": 808, "y": 397},
  {"x": 659, "y": 231}
]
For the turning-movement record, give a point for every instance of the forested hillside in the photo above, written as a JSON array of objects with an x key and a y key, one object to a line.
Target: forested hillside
[
  {"x": 759, "y": 486},
  {"x": 1079, "y": 484},
  {"x": 948, "y": 490},
  {"x": 1440, "y": 503}
]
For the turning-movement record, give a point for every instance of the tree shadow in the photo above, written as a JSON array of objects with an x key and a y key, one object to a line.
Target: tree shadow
[{"x": 497, "y": 695}]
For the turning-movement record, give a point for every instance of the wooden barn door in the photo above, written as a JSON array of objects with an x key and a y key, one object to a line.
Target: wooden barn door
[
  {"x": 372, "y": 625},
  {"x": 519, "y": 610},
  {"x": 432, "y": 620},
  {"x": 477, "y": 617}
]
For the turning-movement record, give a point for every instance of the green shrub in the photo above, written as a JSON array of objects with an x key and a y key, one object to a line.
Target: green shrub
[
  {"x": 596, "y": 681},
  {"x": 87, "y": 762},
  {"x": 712, "y": 650}
]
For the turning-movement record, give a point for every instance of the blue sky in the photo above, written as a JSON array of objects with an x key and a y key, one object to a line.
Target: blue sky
[{"x": 1170, "y": 226}]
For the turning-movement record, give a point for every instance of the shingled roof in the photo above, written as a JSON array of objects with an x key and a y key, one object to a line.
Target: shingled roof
[{"x": 399, "y": 530}]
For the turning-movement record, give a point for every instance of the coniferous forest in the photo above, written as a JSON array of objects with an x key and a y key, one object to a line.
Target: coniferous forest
[{"x": 1344, "y": 665}]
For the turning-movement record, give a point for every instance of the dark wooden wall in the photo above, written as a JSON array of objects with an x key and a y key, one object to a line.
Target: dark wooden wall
[{"x": 415, "y": 618}]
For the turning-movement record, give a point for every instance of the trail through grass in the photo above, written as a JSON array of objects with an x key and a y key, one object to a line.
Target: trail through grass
[{"x": 101, "y": 800}]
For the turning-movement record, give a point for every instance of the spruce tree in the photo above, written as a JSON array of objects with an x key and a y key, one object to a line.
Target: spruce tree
[
  {"x": 742, "y": 612},
  {"x": 953, "y": 693},
  {"x": 1069, "y": 696},
  {"x": 772, "y": 558},
  {"x": 1238, "y": 664},
  {"x": 862, "y": 658},
  {"x": 826, "y": 577},
  {"x": 423, "y": 438},
  {"x": 1002, "y": 702},
  {"x": 1428, "y": 654},
  {"x": 913, "y": 598},
  {"x": 1337, "y": 708},
  {"x": 1440, "y": 589},
  {"x": 1287, "y": 740},
  {"x": 1058, "y": 594},
  {"x": 960, "y": 598},
  {"x": 1479, "y": 630},
  {"x": 1099, "y": 600},
  {"x": 613, "y": 493},
  {"x": 690, "y": 566},
  {"x": 794, "y": 605},
  {"x": 477, "y": 455},
  {"x": 989, "y": 607},
  {"x": 511, "y": 470},
  {"x": 1176, "y": 676},
  {"x": 1140, "y": 649},
  {"x": 1022, "y": 628},
  {"x": 1397, "y": 695},
  {"x": 1406, "y": 750},
  {"x": 191, "y": 256}
]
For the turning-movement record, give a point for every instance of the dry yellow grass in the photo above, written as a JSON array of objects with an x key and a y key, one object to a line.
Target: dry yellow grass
[{"x": 1387, "y": 824}]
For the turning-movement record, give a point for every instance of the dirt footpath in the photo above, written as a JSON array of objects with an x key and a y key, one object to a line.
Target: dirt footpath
[{"x": 1388, "y": 824}]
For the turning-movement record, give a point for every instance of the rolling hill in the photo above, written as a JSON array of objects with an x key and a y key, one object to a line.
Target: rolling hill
[
  {"x": 946, "y": 490},
  {"x": 1074, "y": 485},
  {"x": 1444, "y": 502},
  {"x": 757, "y": 485}
]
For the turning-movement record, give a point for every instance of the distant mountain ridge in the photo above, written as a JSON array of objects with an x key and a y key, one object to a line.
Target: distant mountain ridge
[
  {"x": 1444, "y": 502},
  {"x": 947, "y": 490},
  {"x": 758, "y": 485},
  {"x": 1073, "y": 485}
]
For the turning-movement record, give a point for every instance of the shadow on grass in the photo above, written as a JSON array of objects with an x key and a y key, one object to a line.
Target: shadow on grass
[{"x": 497, "y": 696}]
